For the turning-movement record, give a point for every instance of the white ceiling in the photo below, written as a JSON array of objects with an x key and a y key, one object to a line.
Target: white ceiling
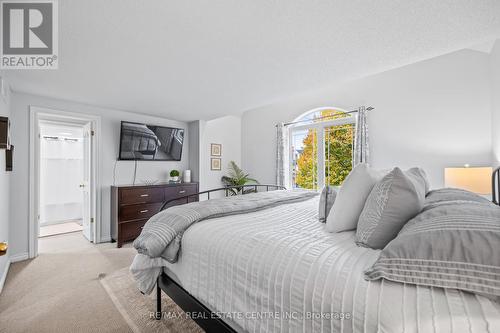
[{"x": 201, "y": 59}]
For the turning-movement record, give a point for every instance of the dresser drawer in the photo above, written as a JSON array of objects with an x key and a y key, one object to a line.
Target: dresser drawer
[
  {"x": 140, "y": 211},
  {"x": 131, "y": 230},
  {"x": 141, "y": 195},
  {"x": 179, "y": 191},
  {"x": 132, "y": 206}
]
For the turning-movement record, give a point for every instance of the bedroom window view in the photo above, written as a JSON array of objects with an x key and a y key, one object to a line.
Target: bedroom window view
[
  {"x": 328, "y": 128},
  {"x": 305, "y": 159},
  {"x": 338, "y": 153}
]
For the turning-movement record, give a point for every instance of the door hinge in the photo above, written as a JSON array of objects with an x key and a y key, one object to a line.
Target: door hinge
[
  {"x": 92, "y": 133},
  {"x": 91, "y": 220}
]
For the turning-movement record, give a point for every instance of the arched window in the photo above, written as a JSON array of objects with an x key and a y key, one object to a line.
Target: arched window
[{"x": 321, "y": 144}]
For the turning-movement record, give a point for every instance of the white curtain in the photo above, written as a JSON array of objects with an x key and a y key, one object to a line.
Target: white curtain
[
  {"x": 361, "y": 152},
  {"x": 282, "y": 158}
]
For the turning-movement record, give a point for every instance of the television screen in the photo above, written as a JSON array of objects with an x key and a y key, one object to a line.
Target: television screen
[{"x": 151, "y": 143}]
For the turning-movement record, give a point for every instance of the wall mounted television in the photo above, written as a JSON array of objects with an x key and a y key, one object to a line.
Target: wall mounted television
[{"x": 150, "y": 143}]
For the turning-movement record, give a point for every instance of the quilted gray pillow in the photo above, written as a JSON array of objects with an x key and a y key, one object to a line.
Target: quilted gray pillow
[
  {"x": 393, "y": 201},
  {"x": 453, "y": 245},
  {"x": 326, "y": 200},
  {"x": 451, "y": 195}
]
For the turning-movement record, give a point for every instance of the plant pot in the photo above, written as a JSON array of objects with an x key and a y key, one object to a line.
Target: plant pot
[{"x": 175, "y": 179}]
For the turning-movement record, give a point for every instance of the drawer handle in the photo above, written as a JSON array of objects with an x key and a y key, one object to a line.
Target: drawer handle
[
  {"x": 144, "y": 195},
  {"x": 144, "y": 211},
  {"x": 183, "y": 191}
]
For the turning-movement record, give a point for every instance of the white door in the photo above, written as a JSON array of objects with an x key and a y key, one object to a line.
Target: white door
[{"x": 87, "y": 183}]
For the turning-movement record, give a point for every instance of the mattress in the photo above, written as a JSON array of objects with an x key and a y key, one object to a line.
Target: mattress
[{"x": 278, "y": 270}]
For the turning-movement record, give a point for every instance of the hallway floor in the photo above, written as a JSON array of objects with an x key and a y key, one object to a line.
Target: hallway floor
[
  {"x": 59, "y": 291},
  {"x": 60, "y": 228}
]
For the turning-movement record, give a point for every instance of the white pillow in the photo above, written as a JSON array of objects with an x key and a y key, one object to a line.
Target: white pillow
[{"x": 351, "y": 198}]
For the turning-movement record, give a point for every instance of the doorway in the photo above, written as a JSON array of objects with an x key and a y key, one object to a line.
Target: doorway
[
  {"x": 62, "y": 188},
  {"x": 63, "y": 166}
]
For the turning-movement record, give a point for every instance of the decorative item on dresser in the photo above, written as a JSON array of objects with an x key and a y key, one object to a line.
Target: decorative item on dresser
[{"x": 133, "y": 205}]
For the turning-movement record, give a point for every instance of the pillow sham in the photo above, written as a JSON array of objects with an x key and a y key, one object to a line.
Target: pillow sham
[
  {"x": 351, "y": 198},
  {"x": 451, "y": 195},
  {"x": 422, "y": 174},
  {"x": 451, "y": 246},
  {"x": 393, "y": 201},
  {"x": 326, "y": 200}
]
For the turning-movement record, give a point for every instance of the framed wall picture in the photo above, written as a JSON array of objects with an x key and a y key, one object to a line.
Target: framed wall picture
[
  {"x": 215, "y": 149},
  {"x": 215, "y": 164}
]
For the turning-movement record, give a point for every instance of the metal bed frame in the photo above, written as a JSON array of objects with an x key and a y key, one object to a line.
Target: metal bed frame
[
  {"x": 495, "y": 186},
  {"x": 203, "y": 316}
]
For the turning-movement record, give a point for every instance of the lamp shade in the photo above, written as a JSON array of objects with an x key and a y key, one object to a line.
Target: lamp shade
[{"x": 474, "y": 179}]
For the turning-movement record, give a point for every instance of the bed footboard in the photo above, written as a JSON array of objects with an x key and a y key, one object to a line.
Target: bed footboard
[
  {"x": 205, "y": 318},
  {"x": 228, "y": 191},
  {"x": 495, "y": 186}
]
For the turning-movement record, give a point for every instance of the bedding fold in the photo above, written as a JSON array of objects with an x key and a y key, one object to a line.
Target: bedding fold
[{"x": 162, "y": 234}]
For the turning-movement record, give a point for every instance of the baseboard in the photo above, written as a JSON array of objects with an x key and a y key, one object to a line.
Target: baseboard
[
  {"x": 19, "y": 257},
  {"x": 105, "y": 239},
  {"x": 4, "y": 275}
]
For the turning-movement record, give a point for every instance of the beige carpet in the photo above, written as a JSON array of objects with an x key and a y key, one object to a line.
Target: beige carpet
[
  {"x": 138, "y": 310},
  {"x": 61, "y": 291}
]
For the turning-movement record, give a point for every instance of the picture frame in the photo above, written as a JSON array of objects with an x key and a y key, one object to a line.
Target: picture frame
[
  {"x": 216, "y": 149},
  {"x": 215, "y": 164}
]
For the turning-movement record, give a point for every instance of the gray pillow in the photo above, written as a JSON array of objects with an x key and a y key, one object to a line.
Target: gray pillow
[
  {"x": 326, "y": 200},
  {"x": 451, "y": 195},
  {"x": 455, "y": 245},
  {"x": 393, "y": 201}
]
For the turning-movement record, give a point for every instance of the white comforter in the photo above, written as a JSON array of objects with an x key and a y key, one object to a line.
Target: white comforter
[{"x": 278, "y": 270}]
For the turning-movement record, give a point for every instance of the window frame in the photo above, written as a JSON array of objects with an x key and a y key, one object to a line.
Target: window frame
[{"x": 320, "y": 127}]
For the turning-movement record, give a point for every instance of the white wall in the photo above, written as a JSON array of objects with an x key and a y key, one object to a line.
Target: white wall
[
  {"x": 4, "y": 198},
  {"x": 225, "y": 131},
  {"x": 495, "y": 94},
  {"x": 110, "y": 135},
  {"x": 432, "y": 114},
  {"x": 194, "y": 150}
]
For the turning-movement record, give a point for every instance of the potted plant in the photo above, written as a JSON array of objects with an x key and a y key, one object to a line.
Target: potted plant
[
  {"x": 237, "y": 177},
  {"x": 174, "y": 175}
]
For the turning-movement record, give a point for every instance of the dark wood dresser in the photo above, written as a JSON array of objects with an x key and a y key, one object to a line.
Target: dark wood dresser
[{"x": 133, "y": 205}]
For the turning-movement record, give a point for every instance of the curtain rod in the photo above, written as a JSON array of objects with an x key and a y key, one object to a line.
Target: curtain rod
[{"x": 308, "y": 120}]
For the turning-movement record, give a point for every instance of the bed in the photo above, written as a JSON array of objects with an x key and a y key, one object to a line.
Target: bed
[{"x": 278, "y": 270}]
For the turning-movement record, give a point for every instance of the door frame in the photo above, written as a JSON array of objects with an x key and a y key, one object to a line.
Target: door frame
[{"x": 38, "y": 114}]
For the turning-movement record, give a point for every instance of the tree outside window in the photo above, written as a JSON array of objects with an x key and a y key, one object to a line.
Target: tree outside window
[{"x": 338, "y": 143}]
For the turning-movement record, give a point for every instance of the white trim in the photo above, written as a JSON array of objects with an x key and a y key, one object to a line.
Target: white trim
[
  {"x": 19, "y": 257},
  {"x": 327, "y": 123},
  {"x": 105, "y": 239},
  {"x": 4, "y": 275},
  {"x": 302, "y": 115},
  {"x": 41, "y": 113}
]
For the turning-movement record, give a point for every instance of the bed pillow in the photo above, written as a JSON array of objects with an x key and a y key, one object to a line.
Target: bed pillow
[
  {"x": 351, "y": 198},
  {"x": 422, "y": 174},
  {"x": 393, "y": 201},
  {"x": 454, "y": 245},
  {"x": 326, "y": 200},
  {"x": 451, "y": 195}
]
